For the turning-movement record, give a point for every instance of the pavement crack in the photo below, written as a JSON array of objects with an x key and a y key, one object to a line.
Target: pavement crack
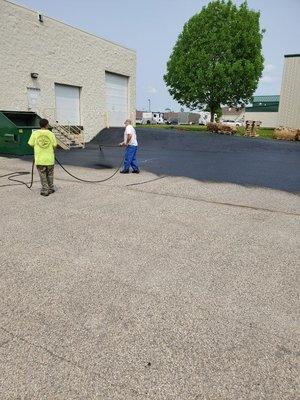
[
  {"x": 2, "y": 344},
  {"x": 89, "y": 372},
  {"x": 226, "y": 204},
  {"x": 144, "y": 182},
  {"x": 50, "y": 352}
]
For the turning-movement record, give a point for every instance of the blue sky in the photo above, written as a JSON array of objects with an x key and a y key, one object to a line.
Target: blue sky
[{"x": 151, "y": 27}]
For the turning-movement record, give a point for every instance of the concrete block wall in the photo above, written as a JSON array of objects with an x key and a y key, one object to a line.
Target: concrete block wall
[
  {"x": 289, "y": 106},
  {"x": 268, "y": 119},
  {"x": 61, "y": 54}
]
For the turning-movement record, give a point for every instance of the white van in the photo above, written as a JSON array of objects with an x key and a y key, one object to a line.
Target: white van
[{"x": 232, "y": 122}]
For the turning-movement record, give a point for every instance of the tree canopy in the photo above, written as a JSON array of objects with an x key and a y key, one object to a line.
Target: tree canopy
[{"x": 217, "y": 58}]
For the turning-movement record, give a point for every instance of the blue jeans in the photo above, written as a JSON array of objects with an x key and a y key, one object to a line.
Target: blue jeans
[{"x": 130, "y": 158}]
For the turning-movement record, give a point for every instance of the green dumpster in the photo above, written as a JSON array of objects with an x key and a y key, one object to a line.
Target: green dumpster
[{"x": 15, "y": 130}]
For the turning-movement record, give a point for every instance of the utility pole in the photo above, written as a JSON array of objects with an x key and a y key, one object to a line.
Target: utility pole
[{"x": 149, "y": 104}]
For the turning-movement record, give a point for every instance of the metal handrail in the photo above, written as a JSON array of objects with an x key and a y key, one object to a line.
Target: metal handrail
[{"x": 71, "y": 133}]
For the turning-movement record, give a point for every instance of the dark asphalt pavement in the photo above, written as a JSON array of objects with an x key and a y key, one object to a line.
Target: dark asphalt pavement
[{"x": 200, "y": 156}]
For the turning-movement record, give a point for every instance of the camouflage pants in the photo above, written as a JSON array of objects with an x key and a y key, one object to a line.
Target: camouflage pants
[{"x": 46, "y": 173}]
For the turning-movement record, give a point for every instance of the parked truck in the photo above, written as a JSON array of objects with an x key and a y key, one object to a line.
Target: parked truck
[
  {"x": 204, "y": 117},
  {"x": 152, "y": 118}
]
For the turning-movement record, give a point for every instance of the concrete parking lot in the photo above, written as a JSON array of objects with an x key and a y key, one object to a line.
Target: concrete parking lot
[{"x": 178, "y": 283}]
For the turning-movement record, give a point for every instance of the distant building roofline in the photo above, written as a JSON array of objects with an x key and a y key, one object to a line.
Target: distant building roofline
[
  {"x": 291, "y": 55},
  {"x": 266, "y": 98}
]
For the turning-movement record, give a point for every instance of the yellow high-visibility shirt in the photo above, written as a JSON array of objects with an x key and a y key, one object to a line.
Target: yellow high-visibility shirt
[{"x": 44, "y": 143}]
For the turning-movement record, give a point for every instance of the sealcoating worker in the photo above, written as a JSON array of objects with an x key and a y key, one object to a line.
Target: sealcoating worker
[
  {"x": 44, "y": 143},
  {"x": 131, "y": 144}
]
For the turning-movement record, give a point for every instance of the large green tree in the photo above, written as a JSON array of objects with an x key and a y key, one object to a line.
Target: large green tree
[{"x": 217, "y": 58}]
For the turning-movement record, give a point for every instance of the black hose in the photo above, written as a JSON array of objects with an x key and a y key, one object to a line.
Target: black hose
[
  {"x": 107, "y": 145},
  {"x": 12, "y": 175},
  {"x": 96, "y": 181},
  {"x": 86, "y": 180}
]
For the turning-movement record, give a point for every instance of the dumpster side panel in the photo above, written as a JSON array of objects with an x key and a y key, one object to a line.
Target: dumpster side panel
[
  {"x": 13, "y": 139},
  {"x": 23, "y": 138}
]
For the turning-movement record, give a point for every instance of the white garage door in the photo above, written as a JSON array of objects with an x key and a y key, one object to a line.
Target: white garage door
[
  {"x": 116, "y": 98},
  {"x": 67, "y": 100}
]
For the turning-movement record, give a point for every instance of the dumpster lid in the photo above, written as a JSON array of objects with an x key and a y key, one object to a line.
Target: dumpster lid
[
  {"x": 17, "y": 112},
  {"x": 22, "y": 119}
]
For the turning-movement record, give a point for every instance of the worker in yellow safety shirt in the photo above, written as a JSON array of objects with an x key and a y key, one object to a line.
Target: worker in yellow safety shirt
[{"x": 44, "y": 143}]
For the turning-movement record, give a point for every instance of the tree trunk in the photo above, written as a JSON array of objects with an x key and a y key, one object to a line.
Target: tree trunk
[{"x": 212, "y": 115}]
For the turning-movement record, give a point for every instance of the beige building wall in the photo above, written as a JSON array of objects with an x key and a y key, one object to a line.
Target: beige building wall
[
  {"x": 233, "y": 117},
  {"x": 268, "y": 119},
  {"x": 61, "y": 54},
  {"x": 289, "y": 106}
]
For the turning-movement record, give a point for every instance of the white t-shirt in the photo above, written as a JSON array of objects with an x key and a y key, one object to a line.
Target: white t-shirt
[{"x": 130, "y": 130}]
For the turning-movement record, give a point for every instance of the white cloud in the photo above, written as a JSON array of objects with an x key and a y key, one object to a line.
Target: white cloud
[
  {"x": 151, "y": 89},
  {"x": 269, "y": 67},
  {"x": 269, "y": 79}
]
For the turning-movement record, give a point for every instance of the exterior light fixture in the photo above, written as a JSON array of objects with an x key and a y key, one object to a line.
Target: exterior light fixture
[{"x": 34, "y": 75}]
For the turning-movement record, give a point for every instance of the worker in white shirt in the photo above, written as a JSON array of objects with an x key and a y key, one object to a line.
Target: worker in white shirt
[{"x": 131, "y": 144}]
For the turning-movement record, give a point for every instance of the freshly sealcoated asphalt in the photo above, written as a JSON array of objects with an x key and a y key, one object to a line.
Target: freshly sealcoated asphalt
[{"x": 202, "y": 156}]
